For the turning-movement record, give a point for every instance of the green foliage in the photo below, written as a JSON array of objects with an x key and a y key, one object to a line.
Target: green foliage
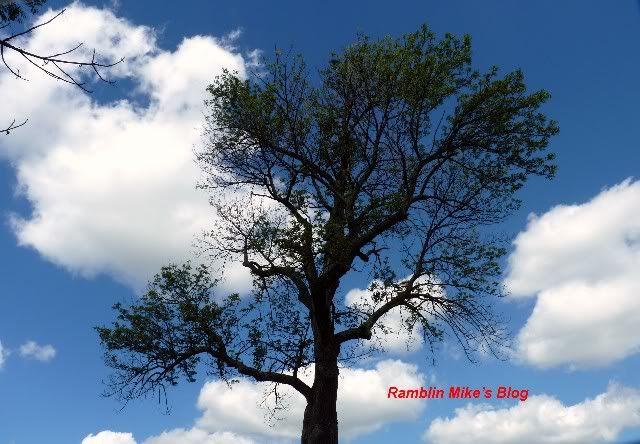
[
  {"x": 178, "y": 320},
  {"x": 11, "y": 11},
  {"x": 175, "y": 321}
]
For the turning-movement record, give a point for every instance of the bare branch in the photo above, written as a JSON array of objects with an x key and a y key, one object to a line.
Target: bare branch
[
  {"x": 12, "y": 126},
  {"x": 55, "y": 60}
]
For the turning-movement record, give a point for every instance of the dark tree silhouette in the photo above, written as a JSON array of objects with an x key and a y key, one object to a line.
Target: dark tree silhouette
[
  {"x": 52, "y": 65},
  {"x": 393, "y": 163}
]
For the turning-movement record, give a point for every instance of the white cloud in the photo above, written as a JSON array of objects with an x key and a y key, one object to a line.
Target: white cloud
[
  {"x": 4, "y": 354},
  {"x": 582, "y": 262},
  {"x": 198, "y": 436},
  {"x": 112, "y": 185},
  {"x": 362, "y": 403},
  {"x": 542, "y": 419},
  {"x": 589, "y": 241},
  {"x": 31, "y": 349},
  {"x": 240, "y": 415},
  {"x": 182, "y": 436},
  {"x": 109, "y": 437}
]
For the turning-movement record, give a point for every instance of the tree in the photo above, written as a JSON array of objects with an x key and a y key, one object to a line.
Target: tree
[
  {"x": 15, "y": 11},
  {"x": 393, "y": 164}
]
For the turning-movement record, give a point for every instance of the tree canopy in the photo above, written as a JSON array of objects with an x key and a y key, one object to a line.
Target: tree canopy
[{"x": 392, "y": 164}]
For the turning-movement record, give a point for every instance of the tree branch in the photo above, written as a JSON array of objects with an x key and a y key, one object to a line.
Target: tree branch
[
  {"x": 55, "y": 60},
  {"x": 13, "y": 126}
]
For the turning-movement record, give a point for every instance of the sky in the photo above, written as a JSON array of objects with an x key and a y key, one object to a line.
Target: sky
[{"x": 97, "y": 192}]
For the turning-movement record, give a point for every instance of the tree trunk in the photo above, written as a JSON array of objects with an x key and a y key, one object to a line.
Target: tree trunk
[{"x": 320, "y": 424}]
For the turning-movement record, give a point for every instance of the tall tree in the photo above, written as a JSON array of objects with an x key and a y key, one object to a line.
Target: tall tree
[
  {"x": 392, "y": 163},
  {"x": 53, "y": 65}
]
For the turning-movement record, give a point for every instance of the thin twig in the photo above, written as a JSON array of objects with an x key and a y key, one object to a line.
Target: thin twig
[
  {"x": 13, "y": 126},
  {"x": 55, "y": 59}
]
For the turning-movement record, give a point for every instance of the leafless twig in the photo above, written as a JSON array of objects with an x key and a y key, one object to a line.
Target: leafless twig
[
  {"x": 54, "y": 59},
  {"x": 42, "y": 62},
  {"x": 13, "y": 126}
]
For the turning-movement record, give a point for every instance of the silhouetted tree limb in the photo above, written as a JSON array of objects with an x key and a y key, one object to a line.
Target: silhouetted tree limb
[
  {"x": 54, "y": 59},
  {"x": 57, "y": 61},
  {"x": 13, "y": 126}
]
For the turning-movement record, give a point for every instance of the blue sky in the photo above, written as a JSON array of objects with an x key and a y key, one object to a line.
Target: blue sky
[{"x": 96, "y": 193}]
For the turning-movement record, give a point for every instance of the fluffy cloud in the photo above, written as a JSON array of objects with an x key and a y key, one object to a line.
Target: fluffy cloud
[
  {"x": 362, "y": 403},
  {"x": 4, "y": 353},
  {"x": 241, "y": 414},
  {"x": 112, "y": 185},
  {"x": 183, "y": 436},
  {"x": 43, "y": 353},
  {"x": 198, "y": 436},
  {"x": 582, "y": 262},
  {"x": 542, "y": 419},
  {"x": 109, "y": 437}
]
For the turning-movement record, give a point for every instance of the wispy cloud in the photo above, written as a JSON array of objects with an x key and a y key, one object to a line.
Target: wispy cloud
[{"x": 4, "y": 354}]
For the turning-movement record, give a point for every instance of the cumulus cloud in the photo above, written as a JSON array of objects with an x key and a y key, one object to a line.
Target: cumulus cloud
[
  {"x": 243, "y": 414},
  {"x": 4, "y": 353},
  {"x": 198, "y": 436},
  {"x": 362, "y": 403},
  {"x": 542, "y": 419},
  {"x": 109, "y": 437},
  {"x": 183, "y": 436},
  {"x": 112, "y": 185},
  {"x": 581, "y": 262},
  {"x": 33, "y": 350}
]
